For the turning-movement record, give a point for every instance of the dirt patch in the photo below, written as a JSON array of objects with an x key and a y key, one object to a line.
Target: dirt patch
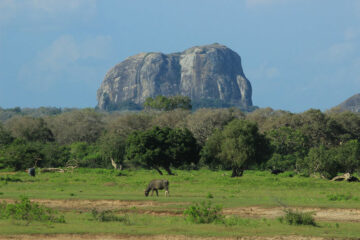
[
  {"x": 322, "y": 214},
  {"x": 7, "y": 173},
  {"x": 144, "y": 207},
  {"x": 109, "y": 184},
  {"x": 86, "y": 205},
  {"x": 157, "y": 237}
]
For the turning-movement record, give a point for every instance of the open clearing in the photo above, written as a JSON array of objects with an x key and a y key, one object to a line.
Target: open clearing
[{"x": 251, "y": 203}]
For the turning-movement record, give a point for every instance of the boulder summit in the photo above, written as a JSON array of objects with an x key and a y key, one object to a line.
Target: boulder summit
[{"x": 210, "y": 74}]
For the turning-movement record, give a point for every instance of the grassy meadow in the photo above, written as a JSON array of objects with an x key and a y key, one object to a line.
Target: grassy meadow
[{"x": 255, "y": 188}]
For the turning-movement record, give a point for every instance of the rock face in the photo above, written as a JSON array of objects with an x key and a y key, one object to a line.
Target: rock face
[
  {"x": 212, "y": 72},
  {"x": 351, "y": 104}
]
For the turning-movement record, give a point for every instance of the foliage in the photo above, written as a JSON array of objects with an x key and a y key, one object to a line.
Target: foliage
[
  {"x": 329, "y": 162},
  {"x": 349, "y": 122},
  {"x": 28, "y": 211},
  {"x": 87, "y": 155},
  {"x": 320, "y": 160},
  {"x": 77, "y": 126},
  {"x": 173, "y": 119},
  {"x": 319, "y": 128},
  {"x": 30, "y": 129},
  {"x": 54, "y": 154},
  {"x": 5, "y": 136},
  {"x": 204, "y": 122},
  {"x": 112, "y": 147},
  {"x": 241, "y": 145},
  {"x": 21, "y": 155},
  {"x": 210, "y": 156},
  {"x": 125, "y": 124},
  {"x": 203, "y": 213},
  {"x": 298, "y": 218},
  {"x": 282, "y": 162},
  {"x": 348, "y": 156},
  {"x": 122, "y": 106},
  {"x": 162, "y": 147},
  {"x": 168, "y": 103},
  {"x": 109, "y": 216}
]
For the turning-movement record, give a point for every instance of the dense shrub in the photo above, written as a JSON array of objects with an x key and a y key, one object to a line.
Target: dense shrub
[
  {"x": 21, "y": 154},
  {"x": 203, "y": 213},
  {"x": 329, "y": 162},
  {"x": 28, "y": 212}
]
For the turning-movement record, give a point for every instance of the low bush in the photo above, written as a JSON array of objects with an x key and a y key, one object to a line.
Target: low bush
[
  {"x": 210, "y": 195},
  {"x": 28, "y": 211},
  {"x": 109, "y": 216},
  {"x": 10, "y": 179},
  {"x": 204, "y": 213},
  {"x": 298, "y": 218},
  {"x": 339, "y": 197}
]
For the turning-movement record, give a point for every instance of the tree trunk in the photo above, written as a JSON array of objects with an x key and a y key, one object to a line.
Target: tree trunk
[
  {"x": 237, "y": 172},
  {"x": 113, "y": 163},
  {"x": 168, "y": 170},
  {"x": 159, "y": 171}
]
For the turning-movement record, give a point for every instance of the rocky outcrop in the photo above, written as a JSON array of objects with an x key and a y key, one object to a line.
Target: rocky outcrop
[
  {"x": 351, "y": 104},
  {"x": 212, "y": 72}
]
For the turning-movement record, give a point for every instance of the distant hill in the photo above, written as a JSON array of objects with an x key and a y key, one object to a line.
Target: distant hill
[
  {"x": 7, "y": 113},
  {"x": 351, "y": 104},
  {"x": 211, "y": 75}
]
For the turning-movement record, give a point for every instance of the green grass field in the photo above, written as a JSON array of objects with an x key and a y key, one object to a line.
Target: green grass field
[{"x": 255, "y": 188}]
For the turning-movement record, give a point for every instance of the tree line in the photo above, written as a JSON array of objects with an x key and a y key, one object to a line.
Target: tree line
[{"x": 165, "y": 138}]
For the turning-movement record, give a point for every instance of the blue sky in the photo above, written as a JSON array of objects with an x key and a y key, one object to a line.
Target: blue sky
[{"x": 297, "y": 54}]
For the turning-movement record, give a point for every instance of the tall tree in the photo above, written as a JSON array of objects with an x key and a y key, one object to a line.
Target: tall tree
[
  {"x": 238, "y": 146},
  {"x": 112, "y": 148},
  {"x": 162, "y": 147}
]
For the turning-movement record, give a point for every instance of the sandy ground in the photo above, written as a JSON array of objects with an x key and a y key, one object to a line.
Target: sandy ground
[{"x": 322, "y": 214}]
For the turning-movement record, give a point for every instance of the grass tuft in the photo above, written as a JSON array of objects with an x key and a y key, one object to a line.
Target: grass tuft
[
  {"x": 339, "y": 197},
  {"x": 298, "y": 218},
  {"x": 109, "y": 216}
]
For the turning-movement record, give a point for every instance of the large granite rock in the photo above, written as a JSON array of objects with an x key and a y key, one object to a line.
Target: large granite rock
[
  {"x": 205, "y": 73},
  {"x": 351, "y": 104}
]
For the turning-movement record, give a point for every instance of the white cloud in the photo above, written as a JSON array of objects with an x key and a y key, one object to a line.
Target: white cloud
[
  {"x": 265, "y": 72},
  {"x": 38, "y": 9},
  {"x": 340, "y": 51},
  {"x": 351, "y": 33},
  {"x": 65, "y": 59}
]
